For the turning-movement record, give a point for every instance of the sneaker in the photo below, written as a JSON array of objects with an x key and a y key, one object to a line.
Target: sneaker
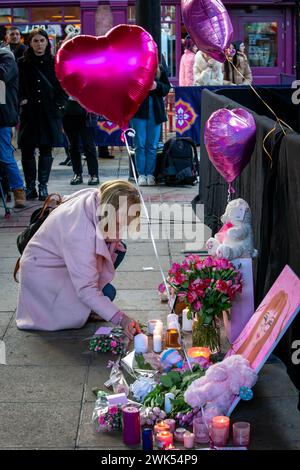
[
  {"x": 142, "y": 181},
  {"x": 20, "y": 198},
  {"x": 93, "y": 181},
  {"x": 77, "y": 179},
  {"x": 150, "y": 180}
]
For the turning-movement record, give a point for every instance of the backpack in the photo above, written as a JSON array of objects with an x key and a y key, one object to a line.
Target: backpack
[
  {"x": 179, "y": 163},
  {"x": 37, "y": 218}
]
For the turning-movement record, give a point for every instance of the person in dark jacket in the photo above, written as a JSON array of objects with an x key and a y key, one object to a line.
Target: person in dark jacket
[
  {"x": 78, "y": 123},
  {"x": 147, "y": 125},
  {"x": 8, "y": 119},
  {"x": 42, "y": 102},
  {"x": 13, "y": 41}
]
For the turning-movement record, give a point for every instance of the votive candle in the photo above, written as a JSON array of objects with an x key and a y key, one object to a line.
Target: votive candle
[
  {"x": 195, "y": 352},
  {"x": 201, "y": 431},
  {"x": 157, "y": 343},
  {"x": 241, "y": 434},
  {"x": 178, "y": 434},
  {"x": 172, "y": 424},
  {"x": 131, "y": 425},
  {"x": 220, "y": 430},
  {"x": 153, "y": 324},
  {"x": 164, "y": 439},
  {"x": 161, "y": 426},
  {"x": 188, "y": 440}
]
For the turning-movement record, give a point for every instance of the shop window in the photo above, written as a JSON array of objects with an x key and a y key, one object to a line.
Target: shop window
[
  {"x": 72, "y": 14},
  {"x": 46, "y": 15},
  {"x": 21, "y": 15},
  {"x": 5, "y": 15},
  {"x": 261, "y": 43}
]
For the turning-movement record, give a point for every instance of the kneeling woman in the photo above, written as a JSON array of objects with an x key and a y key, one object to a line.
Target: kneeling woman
[{"x": 67, "y": 267}]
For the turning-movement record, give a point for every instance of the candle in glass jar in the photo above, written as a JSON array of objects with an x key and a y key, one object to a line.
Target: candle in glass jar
[
  {"x": 187, "y": 325},
  {"x": 131, "y": 425},
  {"x": 220, "y": 430},
  {"x": 178, "y": 434},
  {"x": 188, "y": 440},
  {"x": 195, "y": 352},
  {"x": 172, "y": 424},
  {"x": 157, "y": 343},
  {"x": 161, "y": 426},
  {"x": 241, "y": 434},
  {"x": 153, "y": 324},
  {"x": 164, "y": 439},
  {"x": 200, "y": 429},
  {"x": 172, "y": 339}
]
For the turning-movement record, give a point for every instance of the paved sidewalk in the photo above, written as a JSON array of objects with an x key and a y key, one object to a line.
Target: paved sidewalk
[{"x": 46, "y": 398}]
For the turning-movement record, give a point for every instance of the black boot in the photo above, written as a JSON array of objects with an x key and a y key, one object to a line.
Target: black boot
[
  {"x": 44, "y": 169},
  {"x": 29, "y": 170}
]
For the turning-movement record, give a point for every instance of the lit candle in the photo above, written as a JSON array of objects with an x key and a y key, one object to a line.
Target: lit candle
[
  {"x": 188, "y": 440},
  {"x": 195, "y": 352},
  {"x": 172, "y": 424},
  {"x": 172, "y": 339},
  {"x": 131, "y": 425},
  {"x": 178, "y": 434},
  {"x": 161, "y": 426},
  {"x": 170, "y": 447},
  {"x": 141, "y": 343},
  {"x": 153, "y": 324},
  {"x": 201, "y": 431},
  {"x": 187, "y": 325},
  {"x": 241, "y": 434},
  {"x": 164, "y": 439},
  {"x": 220, "y": 430},
  {"x": 157, "y": 343}
]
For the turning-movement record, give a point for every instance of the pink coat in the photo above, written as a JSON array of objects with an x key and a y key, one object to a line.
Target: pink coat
[
  {"x": 186, "y": 70},
  {"x": 65, "y": 267}
]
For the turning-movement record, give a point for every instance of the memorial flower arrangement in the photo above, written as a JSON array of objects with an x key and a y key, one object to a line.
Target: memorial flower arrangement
[
  {"x": 208, "y": 287},
  {"x": 112, "y": 343}
]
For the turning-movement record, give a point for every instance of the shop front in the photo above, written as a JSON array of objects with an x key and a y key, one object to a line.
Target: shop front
[{"x": 266, "y": 27}]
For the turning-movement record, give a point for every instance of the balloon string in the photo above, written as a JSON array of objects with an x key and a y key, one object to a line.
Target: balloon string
[
  {"x": 231, "y": 191},
  {"x": 131, "y": 133}
]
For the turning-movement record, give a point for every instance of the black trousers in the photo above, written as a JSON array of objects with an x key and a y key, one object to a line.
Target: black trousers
[
  {"x": 28, "y": 152},
  {"x": 76, "y": 129}
]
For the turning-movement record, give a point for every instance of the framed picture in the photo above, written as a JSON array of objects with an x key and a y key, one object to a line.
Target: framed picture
[{"x": 269, "y": 323}]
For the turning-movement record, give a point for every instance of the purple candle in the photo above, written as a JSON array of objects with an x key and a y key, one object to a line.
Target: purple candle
[{"x": 131, "y": 425}]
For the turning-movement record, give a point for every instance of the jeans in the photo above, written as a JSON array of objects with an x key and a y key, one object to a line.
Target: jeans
[
  {"x": 146, "y": 141},
  {"x": 7, "y": 157},
  {"x": 109, "y": 290},
  {"x": 75, "y": 128}
]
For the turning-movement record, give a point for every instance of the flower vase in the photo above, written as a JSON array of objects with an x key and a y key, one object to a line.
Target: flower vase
[{"x": 206, "y": 335}]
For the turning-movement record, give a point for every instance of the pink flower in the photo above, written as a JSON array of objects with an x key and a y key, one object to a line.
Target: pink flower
[
  {"x": 200, "y": 292},
  {"x": 182, "y": 295},
  {"x": 192, "y": 296},
  {"x": 197, "y": 306},
  {"x": 179, "y": 278},
  {"x": 113, "y": 344},
  {"x": 199, "y": 265},
  {"x": 161, "y": 288},
  {"x": 222, "y": 286},
  {"x": 209, "y": 262},
  {"x": 223, "y": 263},
  {"x": 175, "y": 268},
  {"x": 113, "y": 410},
  {"x": 101, "y": 420}
]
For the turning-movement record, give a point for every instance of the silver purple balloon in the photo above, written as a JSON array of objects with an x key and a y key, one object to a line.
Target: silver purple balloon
[
  {"x": 209, "y": 25},
  {"x": 229, "y": 138}
]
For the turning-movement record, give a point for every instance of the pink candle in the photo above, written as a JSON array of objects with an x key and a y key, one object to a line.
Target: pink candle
[
  {"x": 172, "y": 424},
  {"x": 188, "y": 440},
  {"x": 220, "y": 430},
  {"x": 131, "y": 425},
  {"x": 161, "y": 426},
  {"x": 201, "y": 431},
  {"x": 241, "y": 434},
  {"x": 164, "y": 439}
]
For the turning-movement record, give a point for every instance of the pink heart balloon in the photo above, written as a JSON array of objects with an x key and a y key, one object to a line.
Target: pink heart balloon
[
  {"x": 229, "y": 138},
  {"x": 109, "y": 75},
  {"x": 209, "y": 25}
]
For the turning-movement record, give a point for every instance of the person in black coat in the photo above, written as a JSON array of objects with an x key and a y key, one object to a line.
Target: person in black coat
[
  {"x": 13, "y": 41},
  {"x": 147, "y": 125},
  {"x": 42, "y": 103}
]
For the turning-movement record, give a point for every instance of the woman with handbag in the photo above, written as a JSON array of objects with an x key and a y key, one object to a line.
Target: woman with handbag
[{"x": 42, "y": 102}]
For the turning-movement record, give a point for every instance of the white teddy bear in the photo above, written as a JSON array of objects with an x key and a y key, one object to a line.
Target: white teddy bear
[{"x": 235, "y": 239}]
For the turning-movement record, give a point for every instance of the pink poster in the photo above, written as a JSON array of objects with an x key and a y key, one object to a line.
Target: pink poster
[{"x": 269, "y": 323}]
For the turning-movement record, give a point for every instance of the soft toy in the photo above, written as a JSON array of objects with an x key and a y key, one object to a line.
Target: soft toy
[
  {"x": 221, "y": 383},
  {"x": 170, "y": 358},
  {"x": 235, "y": 239}
]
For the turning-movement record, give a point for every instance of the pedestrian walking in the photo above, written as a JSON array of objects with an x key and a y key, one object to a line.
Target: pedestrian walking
[
  {"x": 42, "y": 103},
  {"x": 8, "y": 119},
  {"x": 238, "y": 72}
]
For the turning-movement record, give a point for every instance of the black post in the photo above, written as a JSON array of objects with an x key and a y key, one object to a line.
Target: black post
[
  {"x": 297, "y": 19},
  {"x": 148, "y": 16}
]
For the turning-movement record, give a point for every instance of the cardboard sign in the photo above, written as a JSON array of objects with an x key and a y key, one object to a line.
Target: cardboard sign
[{"x": 269, "y": 323}]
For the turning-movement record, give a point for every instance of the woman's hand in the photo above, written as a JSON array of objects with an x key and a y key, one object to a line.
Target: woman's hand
[
  {"x": 130, "y": 327},
  {"x": 154, "y": 86}
]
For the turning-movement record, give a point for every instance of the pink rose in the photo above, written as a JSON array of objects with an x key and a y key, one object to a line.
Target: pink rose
[
  {"x": 222, "y": 286},
  {"x": 161, "y": 288},
  {"x": 192, "y": 296},
  {"x": 101, "y": 420},
  {"x": 175, "y": 268},
  {"x": 209, "y": 262},
  {"x": 199, "y": 265},
  {"x": 179, "y": 278},
  {"x": 113, "y": 344},
  {"x": 197, "y": 306},
  {"x": 113, "y": 410}
]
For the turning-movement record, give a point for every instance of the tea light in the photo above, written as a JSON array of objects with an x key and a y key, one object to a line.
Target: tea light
[
  {"x": 241, "y": 434},
  {"x": 187, "y": 325},
  {"x": 157, "y": 343},
  {"x": 188, "y": 440},
  {"x": 201, "y": 431},
  {"x": 220, "y": 430},
  {"x": 161, "y": 426},
  {"x": 170, "y": 447},
  {"x": 153, "y": 324},
  {"x": 172, "y": 424},
  {"x": 172, "y": 339},
  {"x": 195, "y": 352},
  {"x": 164, "y": 439},
  {"x": 141, "y": 343},
  {"x": 179, "y": 433}
]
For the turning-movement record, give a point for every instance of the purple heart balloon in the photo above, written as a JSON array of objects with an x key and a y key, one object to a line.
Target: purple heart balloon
[
  {"x": 209, "y": 25},
  {"x": 229, "y": 138}
]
